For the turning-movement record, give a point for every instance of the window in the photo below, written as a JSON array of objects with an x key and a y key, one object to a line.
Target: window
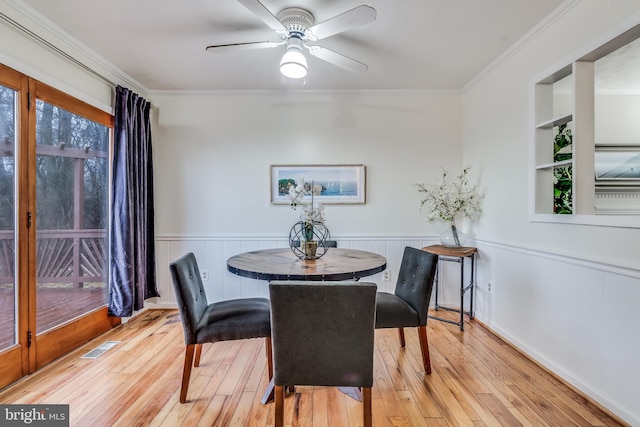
[
  {"x": 72, "y": 181},
  {"x": 585, "y": 148}
]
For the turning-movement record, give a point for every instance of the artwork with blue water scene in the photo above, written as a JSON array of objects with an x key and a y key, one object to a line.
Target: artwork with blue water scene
[{"x": 340, "y": 183}]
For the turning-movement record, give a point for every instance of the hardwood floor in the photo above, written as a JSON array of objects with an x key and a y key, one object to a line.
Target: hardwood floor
[
  {"x": 477, "y": 380},
  {"x": 54, "y": 307}
]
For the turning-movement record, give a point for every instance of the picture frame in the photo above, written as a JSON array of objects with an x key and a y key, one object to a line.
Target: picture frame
[
  {"x": 341, "y": 184},
  {"x": 617, "y": 163}
]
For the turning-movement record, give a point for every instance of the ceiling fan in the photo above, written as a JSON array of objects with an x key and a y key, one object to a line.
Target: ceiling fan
[{"x": 296, "y": 27}]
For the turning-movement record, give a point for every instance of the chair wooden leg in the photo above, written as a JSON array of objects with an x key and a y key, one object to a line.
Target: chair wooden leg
[
  {"x": 401, "y": 335},
  {"x": 279, "y": 410},
  {"x": 196, "y": 362},
  {"x": 186, "y": 372},
  {"x": 366, "y": 406},
  {"x": 267, "y": 344},
  {"x": 424, "y": 347}
]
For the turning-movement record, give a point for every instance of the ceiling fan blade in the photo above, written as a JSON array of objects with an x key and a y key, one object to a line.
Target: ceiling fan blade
[
  {"x": 263, "y": 13},
  {"x": 352, "y": 18},
  {"x": 243, "y": 46},
  {"x": 337, "y": 59}
]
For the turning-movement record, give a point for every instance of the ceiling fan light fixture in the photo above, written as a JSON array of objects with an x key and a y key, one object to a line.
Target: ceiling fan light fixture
[{"x": 293, "y": 63}]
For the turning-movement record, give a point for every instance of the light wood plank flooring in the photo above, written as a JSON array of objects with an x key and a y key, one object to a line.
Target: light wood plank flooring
[
  {"x": 477, "y": 380},
  {"x": 54, "y": 307}
]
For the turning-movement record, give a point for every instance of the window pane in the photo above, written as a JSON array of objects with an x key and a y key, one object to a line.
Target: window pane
[
  {"x": 71, "y": 215},
  {"x": 7, "y": 217}
]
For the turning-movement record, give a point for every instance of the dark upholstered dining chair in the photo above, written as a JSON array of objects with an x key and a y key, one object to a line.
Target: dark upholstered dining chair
[
  {"x": 323, "y": 335},
  {"x": 409, "y": 304},
  {"x": 202, "y": 322}
]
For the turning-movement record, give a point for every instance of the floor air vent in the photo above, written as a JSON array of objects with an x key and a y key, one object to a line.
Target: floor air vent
[{"x": 100, "y": 350}]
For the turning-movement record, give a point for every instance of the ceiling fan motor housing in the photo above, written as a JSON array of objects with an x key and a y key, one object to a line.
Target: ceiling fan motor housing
[
  {"x": 296, "y": 27},
  {"x": 296, "y": 20}
]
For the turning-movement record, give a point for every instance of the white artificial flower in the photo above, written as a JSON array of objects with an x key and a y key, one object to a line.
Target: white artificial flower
[
  {"x": 309, "y": 212},
  {"x": 447, "y": 201}
]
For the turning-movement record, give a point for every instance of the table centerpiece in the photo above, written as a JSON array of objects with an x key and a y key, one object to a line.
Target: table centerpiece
[{"x": 308, "y": 236}]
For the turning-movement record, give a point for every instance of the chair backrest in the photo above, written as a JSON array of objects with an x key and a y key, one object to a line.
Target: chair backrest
[
  {"x": 323, "y": 333},
  {"x": 415, "y": 280},
  {"x": 190, "y": 295}
]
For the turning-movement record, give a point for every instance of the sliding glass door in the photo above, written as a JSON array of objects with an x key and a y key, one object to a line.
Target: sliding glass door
[
  {"x": 71, "y": 215},
  {"x": 8, "y": 297},
  {"x": 70, "y": 175},
  {"x": 13, "y": 346},
  {"x": 54, "y": 181}
]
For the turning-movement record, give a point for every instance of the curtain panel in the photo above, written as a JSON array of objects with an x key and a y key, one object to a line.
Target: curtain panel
[{"x": 132, "y": 266}]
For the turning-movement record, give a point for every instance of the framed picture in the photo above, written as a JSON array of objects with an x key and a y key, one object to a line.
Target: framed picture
[
  {"x": 617, "y": 163},
  {"x": 341, "y": 184}
]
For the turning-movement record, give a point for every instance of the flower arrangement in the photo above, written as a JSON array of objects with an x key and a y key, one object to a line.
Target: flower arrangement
[
  {"x": 310, "y": 213},
  {"x": 446, "y": 201}
]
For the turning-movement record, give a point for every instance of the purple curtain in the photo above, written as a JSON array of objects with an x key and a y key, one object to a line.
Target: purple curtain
[{"x": 133, "y": 265}]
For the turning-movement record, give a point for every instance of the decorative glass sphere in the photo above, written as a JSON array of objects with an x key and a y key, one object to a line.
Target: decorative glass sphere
[{"x": 308, "y": 240}]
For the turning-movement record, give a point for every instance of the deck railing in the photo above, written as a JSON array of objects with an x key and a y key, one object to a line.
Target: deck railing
[{"x": 62, "y": 256}]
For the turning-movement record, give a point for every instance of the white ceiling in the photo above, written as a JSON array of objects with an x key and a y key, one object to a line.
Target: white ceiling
[{"x": 413, "y": 44}]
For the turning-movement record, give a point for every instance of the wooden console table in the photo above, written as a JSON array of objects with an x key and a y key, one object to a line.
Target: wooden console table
[{"x": 458, "y": 255}]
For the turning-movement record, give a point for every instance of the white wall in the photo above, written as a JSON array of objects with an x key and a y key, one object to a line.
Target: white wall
[
  {"x": 213, "y": 154},
  {"x": 212, "y": 157},
  {"x": 616, "y": 115},
  {"x": 566, "y": 294},
  {"x": 617, "y": 119}
]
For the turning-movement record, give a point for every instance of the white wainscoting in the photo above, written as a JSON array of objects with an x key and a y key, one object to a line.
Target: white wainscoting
[
  {"x": 578, "y": 318},
  {"x": 212, "y": 254}
]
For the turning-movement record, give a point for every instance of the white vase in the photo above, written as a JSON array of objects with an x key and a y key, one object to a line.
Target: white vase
[{"x": 452, "y": 237}]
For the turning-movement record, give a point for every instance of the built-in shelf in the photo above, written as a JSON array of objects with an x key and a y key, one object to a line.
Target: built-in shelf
[
  {"x": 550, "y": 124},
  {"x": 565, "y": 95},
  {"x": 555, "y": 165}
]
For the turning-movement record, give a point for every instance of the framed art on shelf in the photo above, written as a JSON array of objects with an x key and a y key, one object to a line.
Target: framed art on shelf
[{"x": 341, "y": 184}]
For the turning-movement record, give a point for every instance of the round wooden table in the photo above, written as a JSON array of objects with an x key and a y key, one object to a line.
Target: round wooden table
[{"x": 282, "y": 264}]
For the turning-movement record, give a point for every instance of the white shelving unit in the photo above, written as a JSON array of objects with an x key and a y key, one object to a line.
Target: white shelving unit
[
  {"x": 551, "y": 124},
  {"x": 566, "y": 95},
  {"x": 551, "y": 112}
]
